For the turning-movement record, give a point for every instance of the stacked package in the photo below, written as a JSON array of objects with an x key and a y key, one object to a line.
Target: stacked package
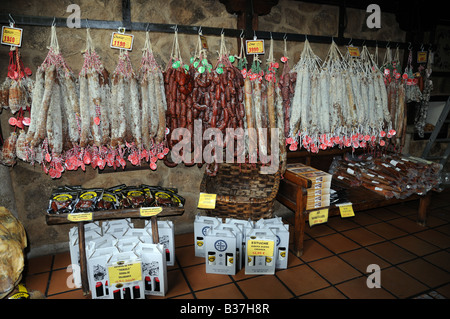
[
  {"x": 259, "y": 247},
  {"x": 122, "y": 261},
  {"x": 319, "y": 194},
  {"x": 393, "y": 175}
]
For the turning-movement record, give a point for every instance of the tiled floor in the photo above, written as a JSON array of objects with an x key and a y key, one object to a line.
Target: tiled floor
[{"x": 414, "y": 262}]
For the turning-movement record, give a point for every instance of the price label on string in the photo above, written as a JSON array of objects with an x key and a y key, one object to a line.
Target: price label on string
[
  {"x": 207, "y": 201},
  {"x": 122, "y": 41},
  {"x": 255, "y": 46},
  {"x": 422, "y": 57},
  {"x": 353, "y": 51},
  {"x": 346, "y": 210},
  {"x": 318, "y": 217},
  {"x": 12, "y": 36}
]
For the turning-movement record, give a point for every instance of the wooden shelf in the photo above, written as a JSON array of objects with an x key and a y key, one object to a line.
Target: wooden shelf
[{"x": 58, "y": 219}]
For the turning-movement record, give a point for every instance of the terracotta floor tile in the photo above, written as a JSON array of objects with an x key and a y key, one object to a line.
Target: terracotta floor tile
[
  {"x": 390, "y": 252},
  {"x": 334, "y": 269},
  {"x": 404, "y": 209},
  {"x": 361, "y": 258},
  {"x": 240, "y": 275},
  {"x": 186, "y": 256},
  {"x": 62, "y": 261},
  {"x": 406, "y": 224},
  {"x": 39, "y": 264},
  {"x": 319, "y": 230},
  {"x": 445, "y": 291},
  {"x": 337, "y": 243},
  {"x": 58, "y": 281},
  {"x": 358, "y": 289},
  {"x": 400, "y": 284},
  {"x": 176, "y": 284},
  {"x": 37, "y": 282},
  {"x": 293, "y": 260},
  {"x": 365, "y": 219},
  {"x": 229, "y": 291},
  {"x": 73, "y": 294},
  {"x": 434, "y": 237},
  {"x": 425, "y": 272},
  {"x": 264, "y": 287},
  {"x": 302, "y": 279},
  {"x": 386, "y": 230},
  {"x": 362, "y": 236},
  {"x": 184, "y": 239},
  {"x": 327, "y": 293},
  {"x": 312, "y": 250},
  {"x": 415, "y": 245},
  {"x": 384, "y": 213},
  {"x": 198, "y": 278},
  {"x": 435, "y": 220},
  {"x": 440, "y": 259},
  {"x": 186, "y": 296},
  {"x": 341, "y": 224}
]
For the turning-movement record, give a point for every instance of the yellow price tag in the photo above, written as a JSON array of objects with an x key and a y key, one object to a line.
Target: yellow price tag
[
  {"x": 80, "y": 217},
  {"x": 422, "y": 57},
  {"x": 12, "y": 36},
  {"x": 318, "y": 217},
  {"x": 257, "y": 247},
  {"x": 207, "y": 201},
  {"x": 353, "y": 51},
  {"x": 204, "y": 42},
  {"x": 255, "y": 46},
  {"x": 126, "y": 272},
  {"x": 122, "y": 41},
  {"x": 149, "y": 211},
  {"x": 346, "y": 210}
]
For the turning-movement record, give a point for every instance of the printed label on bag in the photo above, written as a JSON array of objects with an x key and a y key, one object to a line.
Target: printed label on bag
[
  {"x": 318, "y": 217},
  {"x": 12, "y": 36},
  {"x": 122, "y": 41},
  {"x": 207, "y": 201}
]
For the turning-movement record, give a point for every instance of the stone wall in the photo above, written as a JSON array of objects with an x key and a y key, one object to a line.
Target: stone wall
[{"x": 32, "y": 188}]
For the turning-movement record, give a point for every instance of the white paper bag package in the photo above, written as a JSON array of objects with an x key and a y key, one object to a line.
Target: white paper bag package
[
  {"x": 125, "y": 276},
  {"x": 220, "y": 251},
  {"x": 166, "y": 238},
  {"x": 201, "y": 226},
  {"x": 154, "y": 268},
  {"x": 260, "y": 252}
]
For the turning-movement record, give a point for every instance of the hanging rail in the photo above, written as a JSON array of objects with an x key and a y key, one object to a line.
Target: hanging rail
[{"x": 23, "y": 20}]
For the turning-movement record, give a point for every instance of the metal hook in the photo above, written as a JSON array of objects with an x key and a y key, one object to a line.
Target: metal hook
[
  {"x": 13, "y": 22},
  {"x": 146, "y": 28},
  {"x": 285, "y": 36},
  {"x": 387, "y": 45},
  {"x": 221, "y": 32},
  {"x": 271, "y": 35},
  {"x": 254, "y": 35},
  {"x": 87, "y": 24},
  {"x": 350, "y": 42},
  {"x": 200, "y": 31},
  {"x": 409, "y": 46},
  {"x": 53, "y": 23},
  {"x": 242, "y": 33}
]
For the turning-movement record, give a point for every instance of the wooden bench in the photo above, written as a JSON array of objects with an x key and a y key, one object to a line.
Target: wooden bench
[{"x": 293, "y": 194}]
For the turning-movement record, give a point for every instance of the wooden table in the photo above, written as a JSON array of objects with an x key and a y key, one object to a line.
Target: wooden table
[
  {"x": 58, "y": 219},
  {"x": 293, "y": 194}
]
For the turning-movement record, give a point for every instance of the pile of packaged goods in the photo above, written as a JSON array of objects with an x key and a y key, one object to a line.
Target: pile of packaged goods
[
  {"x": 391, "y": 176},
  {"x": 69, "y": 199},
  {"x": 260, "y": 247},
  {"x": 122, "y": 261},
  {"x": 319, "y": 194}
]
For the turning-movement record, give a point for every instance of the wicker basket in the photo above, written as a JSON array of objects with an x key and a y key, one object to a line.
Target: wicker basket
[{"x": 242, "y": 192}]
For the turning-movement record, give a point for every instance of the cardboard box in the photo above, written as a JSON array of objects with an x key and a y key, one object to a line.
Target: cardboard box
[
  {"x": 154, "y": 268},
  {"x": 201, "y": 226},
  {"x": 237, "y": 231},
  {"x": 260, "y": 252},
  {"x": 97, "y": 270},
  {"x": 166, "y": 238},
  {"x": 220, "y": 251}
]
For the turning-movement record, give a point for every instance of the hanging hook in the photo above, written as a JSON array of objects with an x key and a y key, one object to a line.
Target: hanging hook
[
  {"x": 146, "y": 28},
  {"x": 54, "y": 22},
  {"x": 350, "y": 42},
  {"x": 242, "y": 33},
  {"x": 87, "y": 24},
  {"x": 387, "y": 45},
  {"x": 285, "y": 36},
  {"x": 409, "y": 46},
  {"x": 11, "y": 19},
  {"x": 254, "y": 35},
  {"x": 200, "y": 31},
  {"x": 221, "y": 32}
]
